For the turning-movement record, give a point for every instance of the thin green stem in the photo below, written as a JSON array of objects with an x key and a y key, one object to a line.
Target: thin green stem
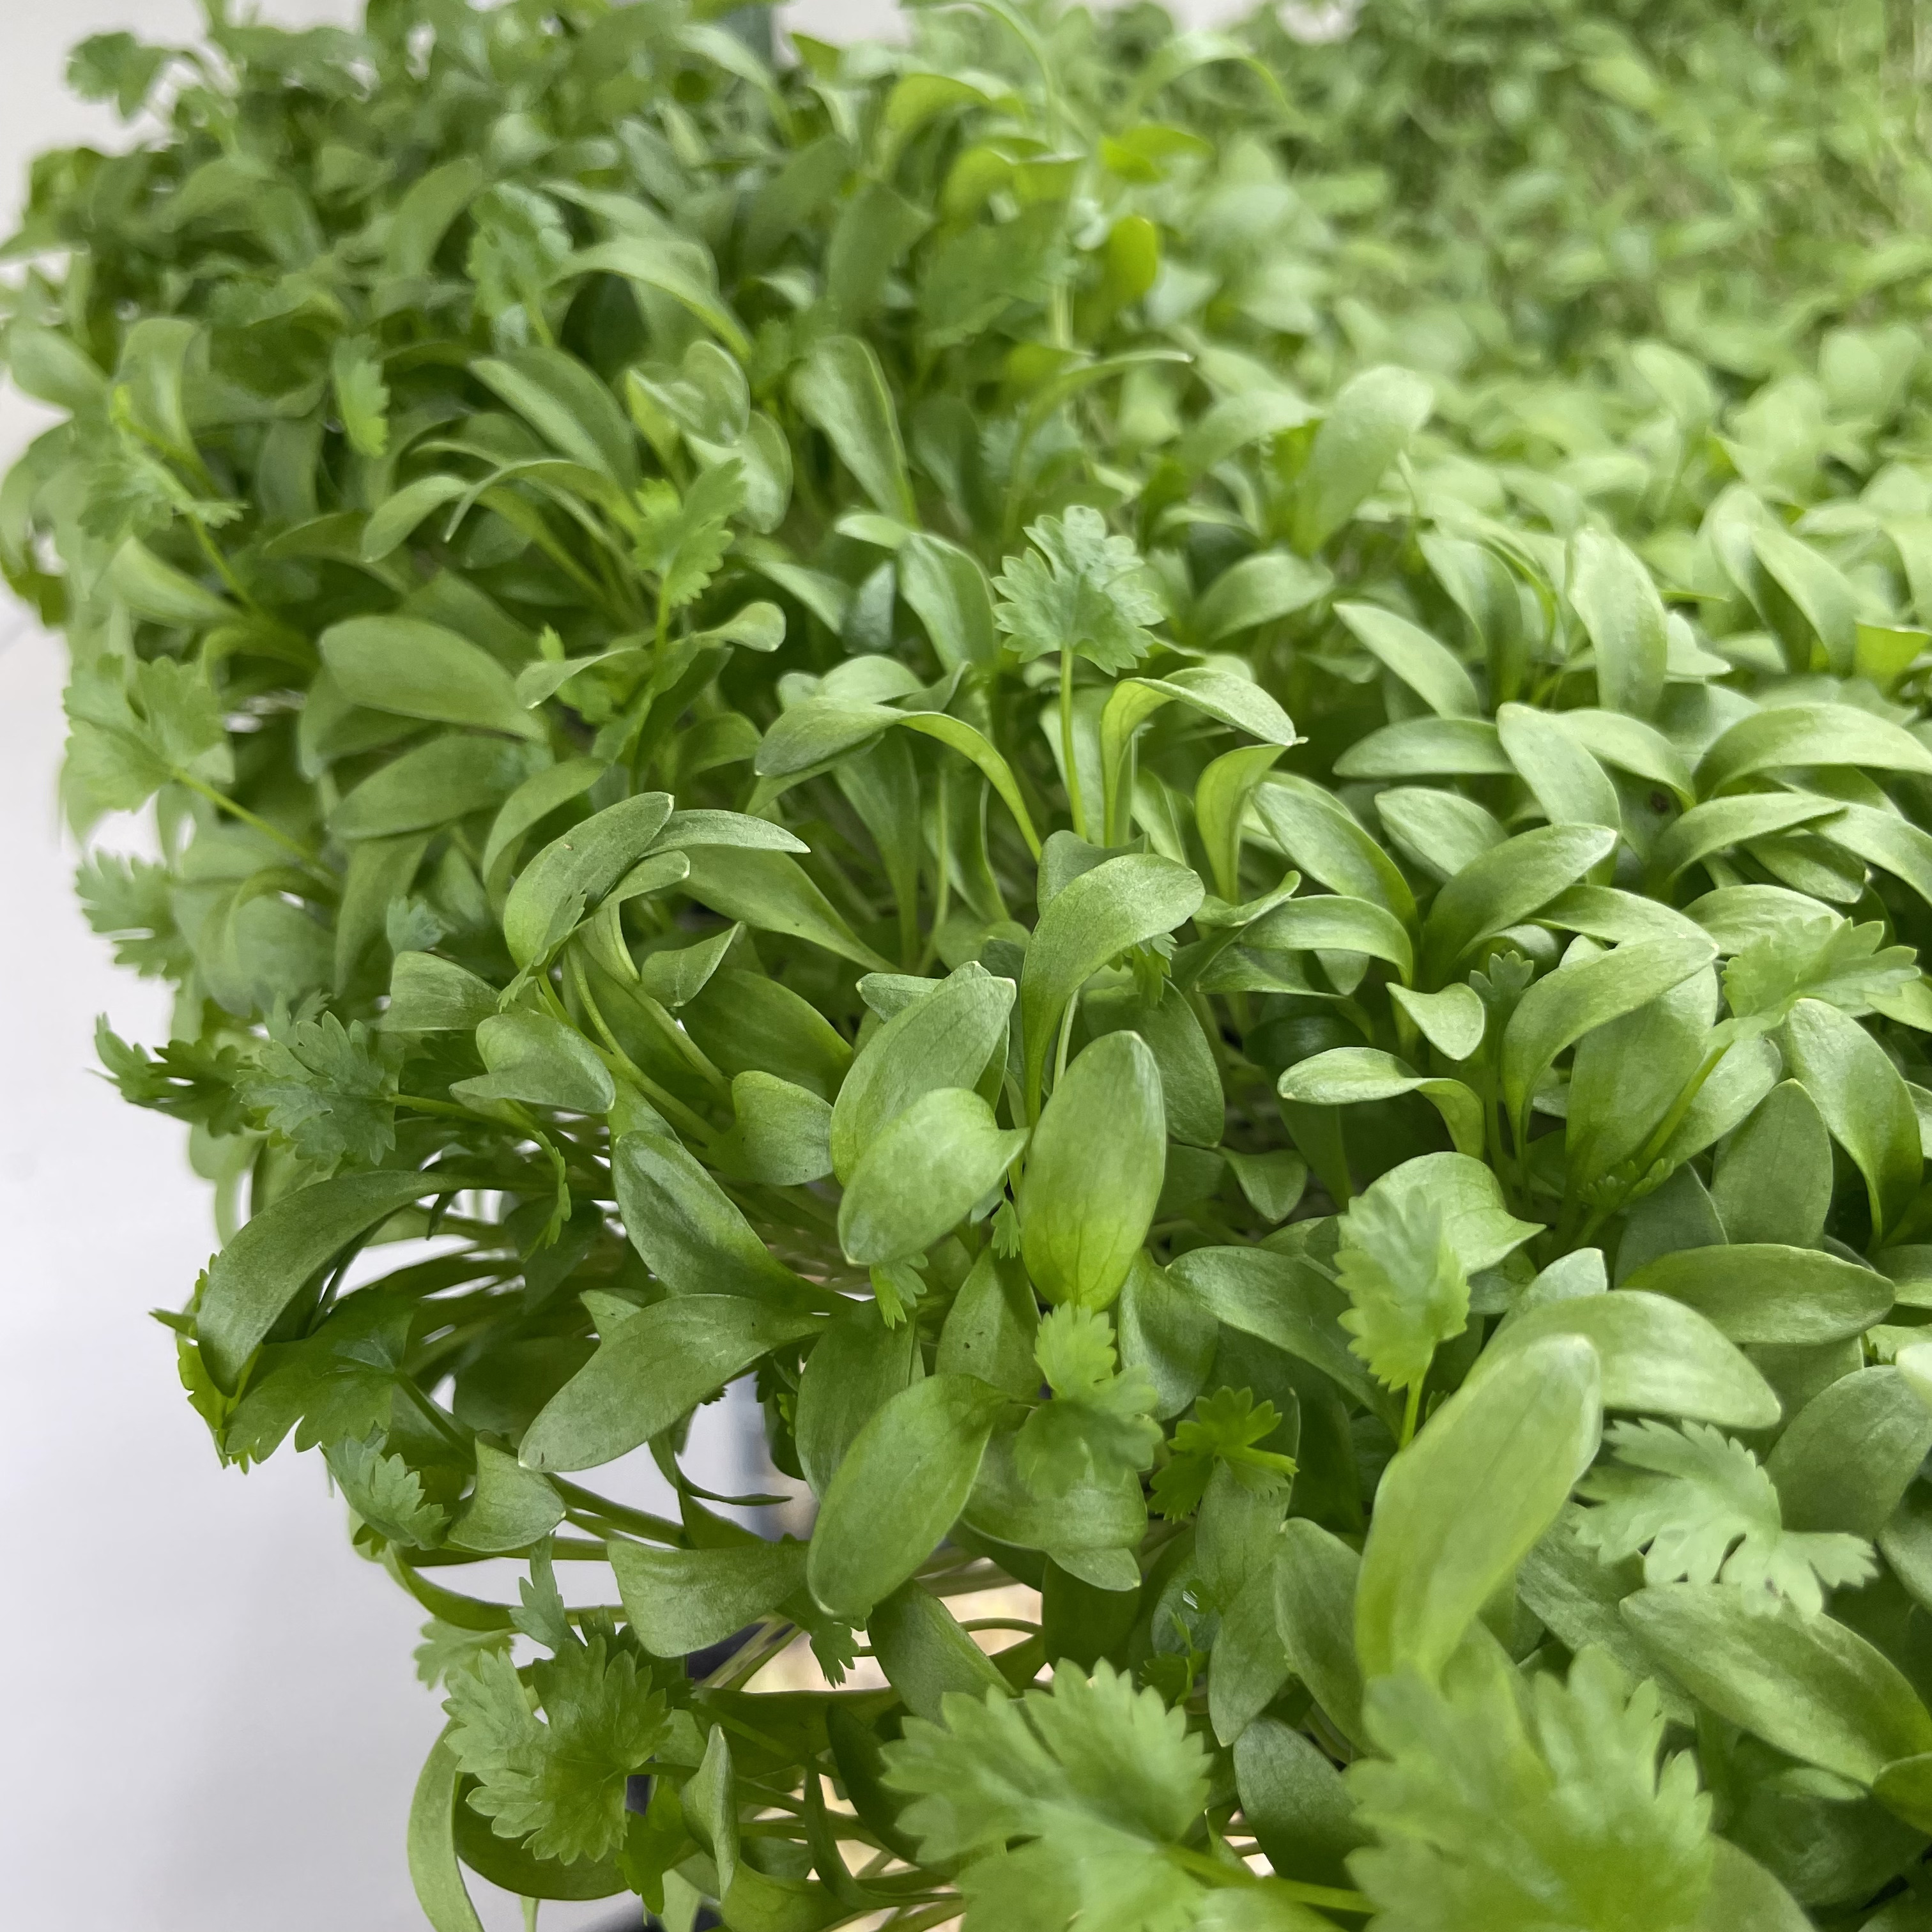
[
  {"x": 639, "y": 1523},
  {"x": 1067, "y": 757},
  {"x": 1332, "y": 1898},
  {"x": 309, "y": 861},
  {"x": 1411, "y": 1414},
  {"x": 1066, "y": 1040},
  {"x": 1641, "y": 1162},
  {"x": 666, "y": 1102}
]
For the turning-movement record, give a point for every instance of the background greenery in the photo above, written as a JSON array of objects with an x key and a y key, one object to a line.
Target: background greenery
[{"x": 620, "y": 568}]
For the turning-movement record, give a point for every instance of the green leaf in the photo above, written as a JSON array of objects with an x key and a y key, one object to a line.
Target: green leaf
[
  {"x": 569, "y": 405},
  {"x": 555, "y": 1783},
  {"x": 432, "y": 785},
  {"x": 945, "y": 1038},
  {"x": 1258, "y": 590},
  {"x": 1294, "y": 1802},
  {"x": 132, "y": 736},
  {"x": 1104, "y": 1774},
  {"x": 682, "y": 539},
  {"x": 571, "y": 875},
  {"x": 1347, "y": 1074},
  {"x": 681, "y": 270},
  {"x": 435, "y": 1872},
  {"x": 1316, "y": 832},
  {"x": 1078, "y": 590},
  {"x": 1823, "y": 959},
  {"x": 1453, "y": 1021},
  {"x": 1561, "y": 1008},
  {"x": 1280, "y": 1300},
  {"x": 1120, "y": 903},
  {"x": 1330, "y": 922},
  {"x": 1657, "y": 1356},
  {"x": 1612, "y": 593},
  {"x": 1420, "y": 747},
  {"x": 420, "y": 669},
  {"x": 1097, "y": 1426},
  {"x": 945, "y": 588},
  {"x": 1315, "y": 1611},
  {"x": 1864, "y": 1102},
  {"x": 1807, "y": 1685},
  {"x": 1236, "y": 702},
  {"x": 1850, "y": 1454},
  {"x": 1808, "y": 734},
  {"x": 327, "y": 1090},
  {"x": 1565, "y": 779},
  {"x": 1224, "y": 1432},
  {"x": 1093, "y": 1173},
  {"x": 926, "y": 1655},
  {"x": 1773, "y": 1178},
  {"x": 781, "y": 1132},
  {"x": 162, "y": 594},
  {"x": 1519, "y": 1813},
  {"x": 386, "y": 1494},
  {"x": 650, "y": 1373},
  {"x": 932, "y": 1164},
  {"x": 1759, "y": 1291},
  {"x": 687, "y": 1230},
  {"x": 990, "y": 1328},
  {"x": 1466, "y": 1500},
  {"x": 770, "y": 892},
  {"x": 1368, "y": 426},
  {"x": 899, "y": 1490},
  {"x": 538, "y": 1059},
  {"x": 1503, "y": 887},
  {"x": 1819, "y": 589},
  {"x": 362, "y": 397},
  {"x": 510, "y": 1508},
  {"x": 841, "y": 390},
  {"x": 854, "y": 1370},
  {"x": 1190, "y": 1080},
  {"x": 1429, "y": 668},
  {"x": 275, "y": 1255},
  {"x": 1701, "y": 1506},
  {"x": 1722, "y": 822},
  {"x": 680, "y": 1600},
  {"x": 428, "y": 994}
]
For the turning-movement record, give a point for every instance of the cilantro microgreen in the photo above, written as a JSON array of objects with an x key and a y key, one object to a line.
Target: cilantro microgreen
[{"x": 1163, "y": 777}]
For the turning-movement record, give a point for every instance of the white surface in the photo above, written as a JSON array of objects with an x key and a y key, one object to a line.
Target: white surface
[{"x": 212, "y": 1722}]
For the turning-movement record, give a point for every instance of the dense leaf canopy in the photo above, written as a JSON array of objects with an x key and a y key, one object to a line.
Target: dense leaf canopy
[{"x": 1179, "y": 777}]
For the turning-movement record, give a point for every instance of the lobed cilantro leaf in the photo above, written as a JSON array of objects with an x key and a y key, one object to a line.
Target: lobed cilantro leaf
[
  {"x": 1225, "y": 1429},
  {"x": 448, "y": 1649},
  {"x": 1099, "y": 1420},
  {"x": 131, "y": 900},
  {"x": 188, "y": 1080},
  {"x": 1847, "y": 966},
  {"x": 1528, "y": 1807},
  {"x": 1078, "y": 590},
  {"x": 328, "y": 1090},
  {"x": 1702, "y": 1507},
  {"x": 386, "y": 1493},
  {"x": 1404, "y": 1279},
  {"x": 1101, "y": 1777},
  {"x": 556, "y": 1781},
  {"x": 682, "y": 540}
]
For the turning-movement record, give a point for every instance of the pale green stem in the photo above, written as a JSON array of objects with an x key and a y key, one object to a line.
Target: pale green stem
[
  {"x": 223, "y": 802},
  {"x": 1066, "y": 742}
]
